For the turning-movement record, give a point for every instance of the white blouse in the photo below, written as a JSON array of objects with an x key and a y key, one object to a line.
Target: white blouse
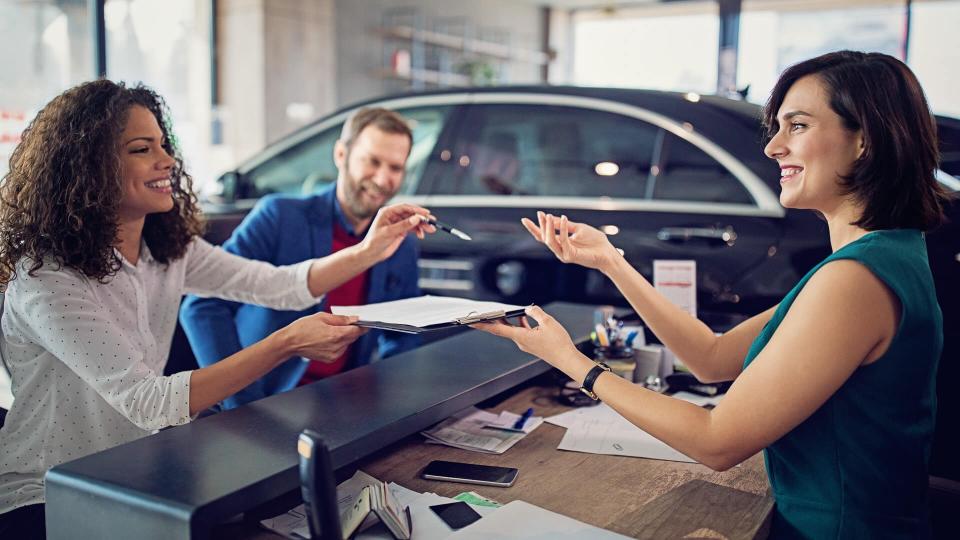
[{"x": 86, "y": 358}]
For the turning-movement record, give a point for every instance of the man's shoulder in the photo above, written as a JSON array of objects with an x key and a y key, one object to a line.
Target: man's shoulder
[
  {"x": 286, "y": 210},
  {"x": 290, "y": 202}
]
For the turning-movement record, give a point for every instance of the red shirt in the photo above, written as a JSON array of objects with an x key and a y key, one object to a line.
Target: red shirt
[{"x": 351, "y": 293}]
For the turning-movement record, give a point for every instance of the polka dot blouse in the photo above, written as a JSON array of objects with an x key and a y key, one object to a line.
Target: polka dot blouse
[{"x": 86, "y": 358}]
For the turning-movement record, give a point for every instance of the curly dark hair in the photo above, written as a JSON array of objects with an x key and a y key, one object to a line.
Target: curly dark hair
[{"x": 60, "y": 200}]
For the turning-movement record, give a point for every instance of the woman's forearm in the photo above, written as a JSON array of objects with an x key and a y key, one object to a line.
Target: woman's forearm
[
  {"x": 682, "y": 425},
  {"x": 214, "y": 383},
  {"x": 327, "y": 273}
]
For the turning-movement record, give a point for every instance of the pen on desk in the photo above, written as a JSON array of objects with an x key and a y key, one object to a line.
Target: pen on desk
[
  {"x": 444, "y": 227},
  {"x": 523, "y": 419}
]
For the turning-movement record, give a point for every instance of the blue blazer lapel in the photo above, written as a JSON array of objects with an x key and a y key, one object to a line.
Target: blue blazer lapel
[
  {"x": 320, "y": 218},
  {"x": 376, "y": 287}
]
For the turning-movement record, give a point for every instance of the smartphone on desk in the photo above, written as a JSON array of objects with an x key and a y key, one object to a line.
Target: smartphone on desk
[{"x": 469, "y": 473}]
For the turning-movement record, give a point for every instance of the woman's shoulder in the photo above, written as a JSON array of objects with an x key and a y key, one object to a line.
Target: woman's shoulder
[
  {"x": 896, "y": 243},
  {"x": 48, "y": 275}
]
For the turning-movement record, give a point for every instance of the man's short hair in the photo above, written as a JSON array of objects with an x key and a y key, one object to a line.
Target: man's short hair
[{"x": 383, "y": 119}]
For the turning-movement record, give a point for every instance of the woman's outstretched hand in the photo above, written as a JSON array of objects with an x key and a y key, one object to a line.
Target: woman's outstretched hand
[
  {"x": 573, "y": 242},
  {"x": 323, "y": 336},
  {"x": 548, "y": 341}
]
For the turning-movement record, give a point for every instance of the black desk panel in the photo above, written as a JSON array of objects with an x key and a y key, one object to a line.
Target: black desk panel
[{"x": 181, "y": 481}]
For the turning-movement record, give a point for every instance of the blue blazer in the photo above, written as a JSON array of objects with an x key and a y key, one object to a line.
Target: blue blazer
[{"x": 286, "y": 230}]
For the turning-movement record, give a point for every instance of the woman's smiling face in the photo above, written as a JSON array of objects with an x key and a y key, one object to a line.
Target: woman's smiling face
[
  {"x": 813, "y": 148},
  {"x": 145, "y": 167}
]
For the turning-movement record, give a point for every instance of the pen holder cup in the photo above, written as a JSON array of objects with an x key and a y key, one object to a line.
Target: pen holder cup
[
  {"x": 649, "y": 362},
  {"x": 620, "y": 359}
]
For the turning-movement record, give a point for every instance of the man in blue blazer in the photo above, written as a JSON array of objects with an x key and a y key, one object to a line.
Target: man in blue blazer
[{"x": 371, "y": 158}]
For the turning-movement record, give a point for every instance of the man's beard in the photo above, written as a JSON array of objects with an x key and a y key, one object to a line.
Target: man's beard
[{"x": 355, "y": 194}]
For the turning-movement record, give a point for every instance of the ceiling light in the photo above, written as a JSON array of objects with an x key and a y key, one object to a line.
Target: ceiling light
[{"x": 606, "y": 168}]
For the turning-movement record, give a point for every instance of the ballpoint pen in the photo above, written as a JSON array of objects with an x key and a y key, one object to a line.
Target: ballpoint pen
[
  {"x": 523, "y": 418},
  {"x": 444, "y": 227}
]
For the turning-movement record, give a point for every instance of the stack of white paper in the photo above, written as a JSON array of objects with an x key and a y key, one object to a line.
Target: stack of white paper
[
  {"x": 601, "y": 430},
  {"x": 423, "y": 310},
  {"x": 522, "y": 520},
  {"x": 477, "y": 430}
]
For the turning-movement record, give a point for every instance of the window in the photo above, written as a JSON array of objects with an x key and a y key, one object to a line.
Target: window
[
  {"x": 657, "y": 45},
  {"x": 303, "y": 168},
  {"x": 775, "y": 34},
  {"x": 689, "y": 174},
  {"x": 548, "y": 150},
  {"x": 46, "y": 49},
  {"x": 165, "y": 46},
  {"x": 308, "y": 166}
]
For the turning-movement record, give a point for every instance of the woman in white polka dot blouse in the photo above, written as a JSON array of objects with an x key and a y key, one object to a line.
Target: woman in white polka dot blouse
[{"x": 99, "y": 239}]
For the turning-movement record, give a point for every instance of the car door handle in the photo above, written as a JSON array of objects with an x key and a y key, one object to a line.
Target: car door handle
[{"x": 724, "y": 235}]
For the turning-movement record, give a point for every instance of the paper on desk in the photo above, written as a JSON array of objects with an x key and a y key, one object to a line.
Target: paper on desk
[
  {"x": 522, "y": 520},
  {"x": 468, "y": 430},
  {"x": 508, "y": 419},
  {"x": 698, "y": 399},
  {"x": 422, "y": 311},
  {"x": 426, "y": 524},
  {"x": 601, "y": 430}
]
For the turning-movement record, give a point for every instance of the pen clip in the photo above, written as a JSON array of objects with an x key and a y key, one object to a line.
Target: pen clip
[{"x": 473, "y": 316}]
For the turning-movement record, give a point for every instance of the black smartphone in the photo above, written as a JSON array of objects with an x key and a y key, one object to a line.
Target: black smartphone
[
  {"x": 456, "y": 514},
  {"x": 469, "y": 473}
]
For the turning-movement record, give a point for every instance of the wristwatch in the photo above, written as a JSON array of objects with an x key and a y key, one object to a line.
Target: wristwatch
[{"x": 587, "y": 387}]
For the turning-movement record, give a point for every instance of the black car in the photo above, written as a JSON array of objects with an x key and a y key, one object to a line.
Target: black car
[{"x": 667, "y": 175}]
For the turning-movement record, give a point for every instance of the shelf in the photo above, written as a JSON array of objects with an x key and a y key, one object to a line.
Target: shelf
[
  {"x": 486, "y": 48},
  {"x": 428, "y": 76}
]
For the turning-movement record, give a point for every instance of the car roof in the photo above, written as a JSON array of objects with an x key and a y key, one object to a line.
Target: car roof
[{"x": 732, "y": 124}]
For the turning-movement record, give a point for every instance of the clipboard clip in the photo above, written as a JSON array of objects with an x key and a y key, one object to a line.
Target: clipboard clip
[{"x": 473, "y": 316}]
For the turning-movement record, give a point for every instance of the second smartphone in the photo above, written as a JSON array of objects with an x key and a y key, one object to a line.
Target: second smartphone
[{"x": 452, "y": 471}]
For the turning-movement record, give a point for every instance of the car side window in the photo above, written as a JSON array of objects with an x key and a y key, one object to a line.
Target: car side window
[
  {"x": 308, "y": 166},
  {"x": 551, "y": 150},
  {"x": 302, "y": 168},
  {"x": 687, "y": 173}
]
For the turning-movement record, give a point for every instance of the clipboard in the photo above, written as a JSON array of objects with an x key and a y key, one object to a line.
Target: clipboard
[
  {"x": 470, "y": 318},
  {"x": 427, "y": 313}
]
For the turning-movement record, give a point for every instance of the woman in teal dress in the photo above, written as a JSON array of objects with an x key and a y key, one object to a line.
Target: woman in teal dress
[{"x": 835, "y": 383}]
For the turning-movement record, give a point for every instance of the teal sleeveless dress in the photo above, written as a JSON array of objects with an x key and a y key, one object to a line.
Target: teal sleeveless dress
[{"x": 857, "y": 468}]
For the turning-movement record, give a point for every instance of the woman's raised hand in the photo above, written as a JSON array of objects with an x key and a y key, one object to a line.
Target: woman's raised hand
[{"x": 572, "y": 242}]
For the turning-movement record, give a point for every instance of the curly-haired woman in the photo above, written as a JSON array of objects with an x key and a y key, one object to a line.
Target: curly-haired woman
[{"x": 99, "y": 239}]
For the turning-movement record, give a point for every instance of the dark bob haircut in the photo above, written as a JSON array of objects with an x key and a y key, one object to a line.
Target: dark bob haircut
[
  {"x": 59, "y": 202},
  {"x": 895, "y": 178}
]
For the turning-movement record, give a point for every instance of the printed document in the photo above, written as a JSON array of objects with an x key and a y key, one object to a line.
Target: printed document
[
  {"x": 477, "y": 430},
  {"x": 601, "y": 430},
  {"x": 521, "y": 520},
  {"x": 424, "y": 311},
  {"x": 677, "y": 280}
]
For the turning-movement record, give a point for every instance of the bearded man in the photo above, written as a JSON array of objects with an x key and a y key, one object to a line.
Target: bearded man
[{"x": 371, "y": 157}]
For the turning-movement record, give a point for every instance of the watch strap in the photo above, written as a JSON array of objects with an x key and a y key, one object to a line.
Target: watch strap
[{"x": 591, "y": 378}]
